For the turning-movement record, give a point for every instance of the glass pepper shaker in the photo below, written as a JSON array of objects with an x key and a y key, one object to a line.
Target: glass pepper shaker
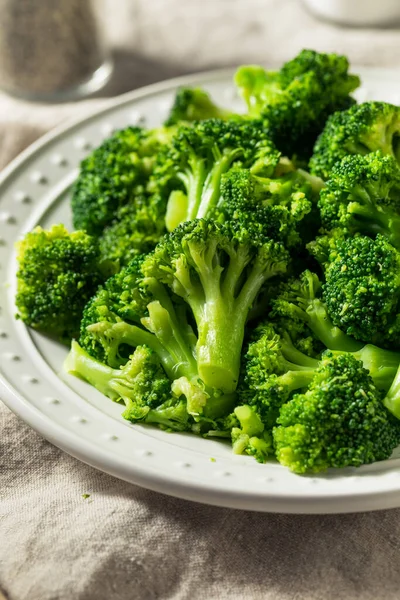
[{"x": 51, "y": 50}]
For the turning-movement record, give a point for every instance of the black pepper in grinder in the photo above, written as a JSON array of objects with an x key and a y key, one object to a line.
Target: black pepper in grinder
[{"x": 51, "y": 49}]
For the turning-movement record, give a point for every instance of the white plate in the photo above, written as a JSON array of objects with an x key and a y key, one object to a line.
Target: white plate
[{"x": 34, "y": 189}]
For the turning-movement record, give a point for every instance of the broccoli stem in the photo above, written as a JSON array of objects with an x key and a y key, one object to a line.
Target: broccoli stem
[
  {"x": 382, "y": 364},
  {"x": 321, "y": 325},
  {"x": 211, "y": 192},
  {"x": 392, "y": 398},
  {"x": 99, "y": 375},
  {"x": 176, "y": 357}
]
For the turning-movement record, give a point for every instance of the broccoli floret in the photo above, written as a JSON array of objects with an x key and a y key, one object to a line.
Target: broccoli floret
[
  {"x": 300, "y": 300},
  {"x": 296, "y": 101},
  {"x": 57, "y": 275},
  {"x": 249, "y": 437},
  {"x": 218, "y": 270},
  {"x": 272, "y": 368},
  {"x": 192, "y": 166},
  {"x": 286, "y": 200},
  {"x": 141, "y": 384},
  {"x": 339, "y": 421},
  {"x": 361, "y": 129},
  {"x": 362, "y": 289},
  {"x": 136, "y": 229},
  {"x": 114, "y": 174},
  {"x": 194, "y": 104},
  {"x": 363, "y": 195}
]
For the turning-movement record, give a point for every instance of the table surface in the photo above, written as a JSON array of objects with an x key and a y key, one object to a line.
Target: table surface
[{"x": 124, "y": 542}]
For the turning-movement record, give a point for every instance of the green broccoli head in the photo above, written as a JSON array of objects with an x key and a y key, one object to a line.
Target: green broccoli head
[
  {"x": 363, "y": 195},
  {"x": 113, "y": 175},
  {"x": 192, "y": 167},
  {"x": 272, "y": 368},
  {"x": 339, "y": 421},
  {"x": 285, "y": 201},
  {"x": 296, "y": 101},
  {"x": 57, "y": 275},
  {"x": 362, "y": 289},
  {"x": 135, "y": 230},
  {"x": 361, "y": 129},
  {"x": 194, "y": 104},
  {"x": 218, "y": 270},
  {"x": 122, "y": 299}
]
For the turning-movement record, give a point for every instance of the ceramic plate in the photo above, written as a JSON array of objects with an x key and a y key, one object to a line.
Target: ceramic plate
[{"x": 35, "y": 189}]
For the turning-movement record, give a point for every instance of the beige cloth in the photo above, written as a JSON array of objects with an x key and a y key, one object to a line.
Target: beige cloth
[{"x": 126, "y": 543}]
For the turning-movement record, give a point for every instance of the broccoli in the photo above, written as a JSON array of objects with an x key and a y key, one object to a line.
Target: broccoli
[
  {"x": 192, "y": 166},
  {"x": 361, "y": 129},
  {"x": 296, "y": 101},
  {"x": 135, "y": 230},
  {"x": 363, "y": 195},
  {"x": 299, "y": 300},
  {"x": 339, "y": 421},
  {"x": 362, "y": 289},
  {"x": 288, "y": 192},
  {"x": 57, "y": 275},
  {"x": 194, "y": 104},
  {"x": 272, "y": 368},
  {"x": 218, "y": 270},
  {"x": 211, "y": 270},
  {"x": 114, "y": 174},
  {"x": 141, "y": 384}
]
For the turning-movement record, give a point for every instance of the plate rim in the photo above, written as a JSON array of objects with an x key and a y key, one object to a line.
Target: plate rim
[{"x": 85, "y": 451}]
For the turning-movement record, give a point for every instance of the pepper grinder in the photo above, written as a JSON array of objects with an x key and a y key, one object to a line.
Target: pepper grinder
[{"x": 52, "y": 50}]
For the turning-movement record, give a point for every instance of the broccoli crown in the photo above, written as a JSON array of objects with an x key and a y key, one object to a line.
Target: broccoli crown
[
  {"x": 297, "y": 100},
  {"x": 194, "y": 104},
  {"x": 135, "y": 230},
  {"x": 339, "y": 421},
  {"x": 361, "y": 129},
  {"x": 362, "y": 289},
  {"x": 192, "y": 166},
  {"x": 121, "y": 299},
  {"x": 272, "y": 368},
  {"x": 58, "y": 273},
  {"x": 363, "y": 195},
  {"x": 113, "y": 175},
  {"x": 218, "y": 269},
  {"x": 284, "y": 202}
]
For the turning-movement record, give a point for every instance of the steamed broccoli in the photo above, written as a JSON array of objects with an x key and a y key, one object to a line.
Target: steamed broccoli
[
  {"x": 362, "y": 289},
  {"x": 194, "y": 104},
  {"x": 363, "y": 195},
  {"x": 192, "y": 166},
  {"x": 57, "y": 275},
  {"x": 361, "y": 129},
  {"x": 300, "y": 300},
  {"x": 136, "y": 229},
  {"x": 114, "y": 174},
  {"x": 286, "y": 197},
  {"x": 218, "y": 269},
  {"x": 339, "y": 421},
  {"x": 272, "y": 368},
  {"x": 141, "y": 384},
  {"x": 296, "y": 101}
]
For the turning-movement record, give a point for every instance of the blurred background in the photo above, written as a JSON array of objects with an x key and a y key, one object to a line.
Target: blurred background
[{"x": 152, "y": 40}]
